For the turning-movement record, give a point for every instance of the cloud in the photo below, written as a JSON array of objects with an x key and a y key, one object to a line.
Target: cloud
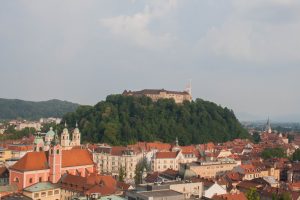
[
  {"x": 135, "y": 28},
  {"x": 256, "y": 31}
]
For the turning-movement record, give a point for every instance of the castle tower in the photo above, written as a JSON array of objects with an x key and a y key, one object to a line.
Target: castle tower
[
  {"x": 55, "y": 158},
  {"x": 76, "y": 136},
  {"x": 65, "y": 138},
  {"x": 268, "y": 128}
]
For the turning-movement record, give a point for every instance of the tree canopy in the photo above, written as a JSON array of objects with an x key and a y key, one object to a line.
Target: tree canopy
[
  {"x": 296, "y": 155},
  {"x": 121, "y": 120},
  {"x": 273, "y": 153}
]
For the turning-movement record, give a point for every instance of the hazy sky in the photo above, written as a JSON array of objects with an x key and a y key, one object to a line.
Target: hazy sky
[{"x": 243, "y": 54}]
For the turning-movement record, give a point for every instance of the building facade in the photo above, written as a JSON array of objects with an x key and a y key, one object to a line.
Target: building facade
[
  {"x": 155, "y": 95},
  {"x": 209, "y": 169},
  {"x": 109, "y": 160},
  {"x": 50, "y": 165}
]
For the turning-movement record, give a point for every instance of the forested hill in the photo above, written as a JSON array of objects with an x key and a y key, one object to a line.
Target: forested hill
[
  {"x": 123, "y": 120},
  {"x": 15, "y": 108}
]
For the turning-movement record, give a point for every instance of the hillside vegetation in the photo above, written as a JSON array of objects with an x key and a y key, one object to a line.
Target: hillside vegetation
[
  {"x": 124, "y": 120},
  {"x": 15, "y": 108}
]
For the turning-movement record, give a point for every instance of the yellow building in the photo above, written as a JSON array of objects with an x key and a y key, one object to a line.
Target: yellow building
[
  {"x": 5, "y": 154},
  {"x": 43, "y": 190},
  {"x": 209, "y": 169},
  {"x": 250, "y": 172}
]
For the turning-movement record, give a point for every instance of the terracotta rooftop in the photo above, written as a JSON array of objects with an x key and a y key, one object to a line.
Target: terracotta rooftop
[
  {"x": 31, "y": 161},
  {"x": 236, "y": 196},
  {"x": 76, "y": 157},
  {"x": 38, "y": 160},
  {"x": 163, "y": 155}
]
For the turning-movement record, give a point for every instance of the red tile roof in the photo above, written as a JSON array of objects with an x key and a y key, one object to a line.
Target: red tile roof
[
  {"x": 31, "y": 161},
  {"x": 76, "y": 157},
  {"x": 38, "y": 160},
  {"x": 237, "y": 196},
  {"x": 162, "y": 155}
]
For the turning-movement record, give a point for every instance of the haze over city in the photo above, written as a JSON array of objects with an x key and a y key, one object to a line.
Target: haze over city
[{"x": 238, "y": 53}]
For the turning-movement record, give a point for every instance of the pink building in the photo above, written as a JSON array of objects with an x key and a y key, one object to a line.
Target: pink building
[{"x": 50, "y": 165}]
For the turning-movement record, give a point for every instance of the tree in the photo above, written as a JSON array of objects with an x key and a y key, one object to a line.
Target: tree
[
  {"x": 139, "y": 169},
  {"x": 252, "y": 194},
  {"x": 284, "y": 196},
  {"x": 273, "y": 153},
  {"x": 296, "y": 155},
  {"x": 122, "y": 120},
  {"x": 256, "y": 137},
  {"x": 122, "y": 174}
]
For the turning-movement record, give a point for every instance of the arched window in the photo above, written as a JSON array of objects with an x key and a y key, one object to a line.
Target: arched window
[
  {"x": 17, "y": 180},
  {"x": 63, "y": 137},
  {"x": 57, "y": 151}
]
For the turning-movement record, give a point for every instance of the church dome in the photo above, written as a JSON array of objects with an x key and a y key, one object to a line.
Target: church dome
[{"x": 50, "y": 133}]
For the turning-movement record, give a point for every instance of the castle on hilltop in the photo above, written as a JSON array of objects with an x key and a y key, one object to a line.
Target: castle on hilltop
[{"x": 155, "y": 94}]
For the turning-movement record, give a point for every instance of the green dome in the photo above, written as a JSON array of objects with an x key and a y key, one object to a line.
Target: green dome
[{"x": 50, "y": 133}]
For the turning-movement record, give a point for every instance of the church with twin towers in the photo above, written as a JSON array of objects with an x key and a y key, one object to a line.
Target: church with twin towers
[{"x": 68, "y": 140}]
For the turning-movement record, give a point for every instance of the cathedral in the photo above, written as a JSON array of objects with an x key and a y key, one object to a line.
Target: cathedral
[{"x": 67, "y": 141}]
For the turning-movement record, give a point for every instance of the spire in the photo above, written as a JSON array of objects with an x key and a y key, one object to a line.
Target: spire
[
  {"x": 268, "y": 128},
  {"x": 176, "y": 141},
  {"x": 76, "y": 124},
  {"x": 65, "y": 124}
]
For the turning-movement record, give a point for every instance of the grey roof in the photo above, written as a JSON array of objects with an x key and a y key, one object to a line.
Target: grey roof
[
  {"x": 41, "y": 187},
  {"x": 160, "y": 193}
]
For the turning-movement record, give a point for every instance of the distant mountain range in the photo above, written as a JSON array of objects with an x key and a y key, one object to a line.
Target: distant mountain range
[{"x": 15, "y": 108}]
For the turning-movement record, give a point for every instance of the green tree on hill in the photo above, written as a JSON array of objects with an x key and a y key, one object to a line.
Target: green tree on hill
[{"x": 122, "y": 120}]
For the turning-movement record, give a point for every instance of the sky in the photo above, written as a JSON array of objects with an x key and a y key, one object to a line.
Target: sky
[{"x": 241, "y": 54}]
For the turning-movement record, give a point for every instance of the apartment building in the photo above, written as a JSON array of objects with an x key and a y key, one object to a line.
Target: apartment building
[
  {"x": 209, "y": 169},
  {"x": 110, "y": 159}
]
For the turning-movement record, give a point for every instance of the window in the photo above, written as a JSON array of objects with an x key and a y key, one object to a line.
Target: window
[
  {"x": 17, "y": 180},
  {"x": 50, "y": 193},
  {"x": 30, "y": 180},
  {"x": 57, "y": 151},
  {"x": 40, "y": 179},
  {"x": 51, "y": 151},
  {"x": 36, "y": 195},
  {"x": 56, "y": 191},
  {"x": 43, "y": 194}
]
